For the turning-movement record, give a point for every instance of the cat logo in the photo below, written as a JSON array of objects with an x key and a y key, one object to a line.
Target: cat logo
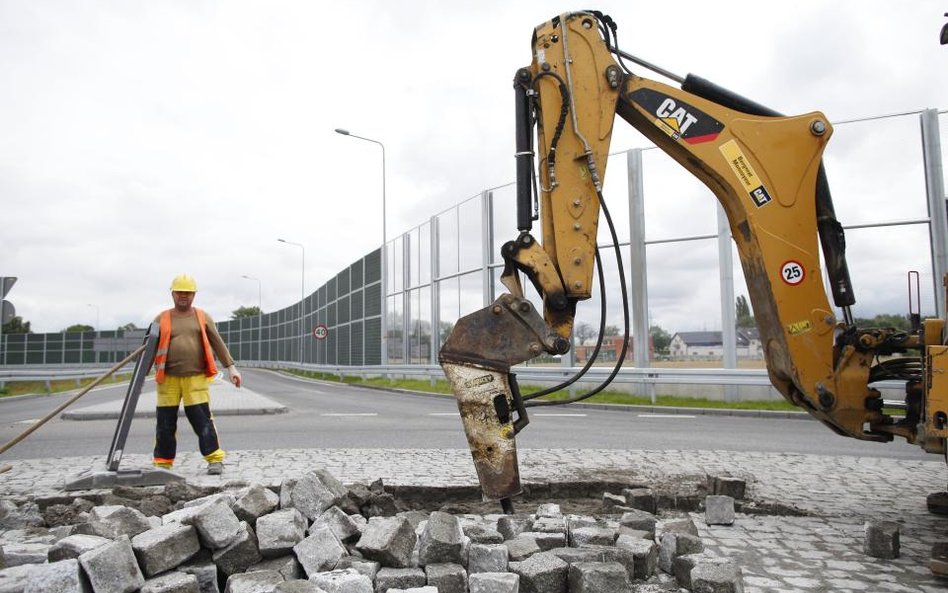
[
  {"x": 676, "y": 118},
  {"x": 681, "y": 121}
]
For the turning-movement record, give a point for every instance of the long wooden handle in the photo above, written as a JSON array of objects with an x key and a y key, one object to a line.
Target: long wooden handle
[{"x": 69, "y": 402}]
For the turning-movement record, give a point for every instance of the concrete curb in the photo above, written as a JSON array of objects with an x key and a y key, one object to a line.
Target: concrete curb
[{"x": 257, "y": 411}]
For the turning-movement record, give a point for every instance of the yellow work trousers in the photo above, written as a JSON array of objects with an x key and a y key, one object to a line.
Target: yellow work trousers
[{"x": 193, "y": 391}]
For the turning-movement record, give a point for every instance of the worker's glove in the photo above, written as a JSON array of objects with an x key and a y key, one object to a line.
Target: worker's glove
[{"x": 233, "y": 375}]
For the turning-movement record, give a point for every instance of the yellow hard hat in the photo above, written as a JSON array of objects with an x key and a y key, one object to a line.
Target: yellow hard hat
[{"x": 184, "y": 283}]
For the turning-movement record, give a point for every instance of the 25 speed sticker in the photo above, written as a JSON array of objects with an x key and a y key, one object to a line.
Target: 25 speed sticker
[{"x": 792, "y": 273}]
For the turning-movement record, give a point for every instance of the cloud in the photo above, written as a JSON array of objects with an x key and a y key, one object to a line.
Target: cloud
[{"x": 143, "y": 139}]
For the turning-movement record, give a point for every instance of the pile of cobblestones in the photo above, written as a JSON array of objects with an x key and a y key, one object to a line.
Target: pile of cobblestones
[{"x": 314, "y": 534}]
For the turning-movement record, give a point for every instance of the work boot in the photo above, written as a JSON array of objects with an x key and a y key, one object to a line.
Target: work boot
[{"x": 215, "y": 468}]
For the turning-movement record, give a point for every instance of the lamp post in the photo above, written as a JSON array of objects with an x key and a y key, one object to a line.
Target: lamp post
[
  {"x": 259, "y": 315},
  {"x": 302, "y": 288},
  {"x": 96, "y": 315},
  {"x": 259, "y": 292},
  {"x": 384, "y": 353}
]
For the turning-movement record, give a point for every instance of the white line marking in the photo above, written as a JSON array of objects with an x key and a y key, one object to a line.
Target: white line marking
[
  {"x": 561, "y": 415},
  {"x": 665, "y": 416},
  {"x": 31, "y": 421},
  {"x": 444, "y": 413},
  {"x": 350, "y": 414}
]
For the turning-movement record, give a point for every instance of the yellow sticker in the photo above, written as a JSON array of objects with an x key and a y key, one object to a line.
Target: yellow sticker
[
  {"x": 583, "y": 172},
  {"x": 745, "y": 173},
  {"x": 800, "y": 327}
]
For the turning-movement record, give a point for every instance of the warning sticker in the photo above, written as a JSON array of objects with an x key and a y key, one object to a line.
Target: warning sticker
[
  {"x": 745, "y": 173},
  {"x": 800, "y": 327}
]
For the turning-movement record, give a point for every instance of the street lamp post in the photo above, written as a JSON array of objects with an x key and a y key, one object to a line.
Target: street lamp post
[
  {"x": 302, "y": 289},
  {"x": 96, "y": 315},
  {"x": 259, "y": 292},
  {"x": 259, "y": 315},
  {"x": 384, "y": 324}
]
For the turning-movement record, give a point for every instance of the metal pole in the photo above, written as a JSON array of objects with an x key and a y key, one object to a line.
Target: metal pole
[
  {"x": 728, "y": 302},
  {"x": 302, "y": 289},
  {"x": 384, "y": 254},
  {"x": 935, "y": 190},
  {"x": 638, "y": 274}
]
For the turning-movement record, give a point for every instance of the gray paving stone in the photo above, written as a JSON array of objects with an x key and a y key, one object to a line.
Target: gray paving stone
[
  {"x": 114, "y": 521},
  {"x": 172, "y": 582},
  {"x": 341, "y": 524},
  {"x": 718, "y": 510},
  {"x": 522, "y": 547},
  {"x": 389, "y": 541},
  {"x": 205, "y": 572},
  {"x": 542, "y": 573},
  {"x": 369, "y": 568},
  {"x": 279, "y": 531},
  {"x": 216, "y": 524},
  {"x": 64, "y": 576},
  {"x": 342, "y": 581},
  {"x": 297, "y": 586},
  {"x": 256, "y": 502},
  {"x": 882, "y": 539},
  {"x": 600, "y": 536},
  {"x": 644, "y": 552},
  {"x": 112, "y": 567},
  {"x": 598, "y": 577},
  {"x": 316, "y": 491},
  {"x": 262, "y": 581},
  {"x": 494, "y": 582},
  {"x": 17, "y": 554},
  {"x": 487, "y": 558},
  {"x": 717, "y": 578},
  {"x": 399, "y": 578},
  {"x": 513, "y": 525},
  {"x": 448, "y": 577},
  {"x": 240, "y": 554},
  {"x": 165, "y": 547},
  {"x": 440, "y": 542},
  {"x": 73, "y": 546},
  {"x": 729, "y": 486},
  {"x": 288, "y": 566},
  {"x": 320, "y": 551},
  {"x": 15, "y": 578},
  {"x": 675, "y": 544},
  {"x": 641, "y": 498}
]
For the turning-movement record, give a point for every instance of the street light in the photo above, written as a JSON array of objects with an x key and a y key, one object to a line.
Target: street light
[
  {"x": 384, "y": 352},
  {"x": 259, "y": 315},
  {"x": 302, "y": 289},
  {"x": 96, "y": 315},
  {"x": 259, "y": 292}
]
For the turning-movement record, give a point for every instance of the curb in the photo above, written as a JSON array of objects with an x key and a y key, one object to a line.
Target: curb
[{"x": 80, "y": 416}]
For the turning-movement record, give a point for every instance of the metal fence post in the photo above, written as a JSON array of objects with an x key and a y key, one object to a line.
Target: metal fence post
[
  {"x": 728, "y": 302},
  {"x": 638, "y": 272},
  {"x": 935, "y": 191}
]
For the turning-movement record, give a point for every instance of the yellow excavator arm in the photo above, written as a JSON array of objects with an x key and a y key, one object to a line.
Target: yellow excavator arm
[{"x": 766, "y": 171}]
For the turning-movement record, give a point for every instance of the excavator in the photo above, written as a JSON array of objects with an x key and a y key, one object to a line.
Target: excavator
[{"x": 766, "y": 171}]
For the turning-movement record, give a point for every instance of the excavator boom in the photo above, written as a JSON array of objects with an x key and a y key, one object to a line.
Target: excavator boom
[{"x": 766, "y": 171}]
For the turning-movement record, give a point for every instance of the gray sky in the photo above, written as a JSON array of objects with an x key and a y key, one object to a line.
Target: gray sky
[{"x": 145, "y": 139}]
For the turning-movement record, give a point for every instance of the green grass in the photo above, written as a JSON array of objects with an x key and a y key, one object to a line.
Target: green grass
[
  {"x": 32, "y": 387},
  {"x": 606, "y": 397}
]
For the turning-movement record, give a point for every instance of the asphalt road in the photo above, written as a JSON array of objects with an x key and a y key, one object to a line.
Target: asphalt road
[{"x": 338, "y": 416}]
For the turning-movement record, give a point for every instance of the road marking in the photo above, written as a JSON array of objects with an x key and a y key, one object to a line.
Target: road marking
[
  {"x": 665, "y": 416},
  {"x": 444, "y": 413},
  {"x": 562, "y": 415},
  {"x": 31, "y": 421},
  {"x": 350, "y": 414}
]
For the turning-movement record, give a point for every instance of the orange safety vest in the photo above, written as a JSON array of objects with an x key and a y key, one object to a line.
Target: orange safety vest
[{"x": 164, "y": 341}]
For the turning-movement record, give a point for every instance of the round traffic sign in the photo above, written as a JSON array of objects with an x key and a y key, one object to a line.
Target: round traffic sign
[{"x": 320, "y": 332}]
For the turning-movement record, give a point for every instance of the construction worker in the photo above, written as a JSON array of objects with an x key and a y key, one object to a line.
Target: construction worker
[{"x": 184, "y": 363}]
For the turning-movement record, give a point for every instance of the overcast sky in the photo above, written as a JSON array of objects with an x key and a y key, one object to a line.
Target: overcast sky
[{"x": 143, "y": 139}]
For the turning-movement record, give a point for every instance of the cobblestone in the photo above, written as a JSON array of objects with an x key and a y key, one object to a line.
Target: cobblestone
[{"x": 816, "y": 546}]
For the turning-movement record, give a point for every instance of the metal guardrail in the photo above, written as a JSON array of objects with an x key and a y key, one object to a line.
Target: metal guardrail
[{"x": 525, "y": 374}]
